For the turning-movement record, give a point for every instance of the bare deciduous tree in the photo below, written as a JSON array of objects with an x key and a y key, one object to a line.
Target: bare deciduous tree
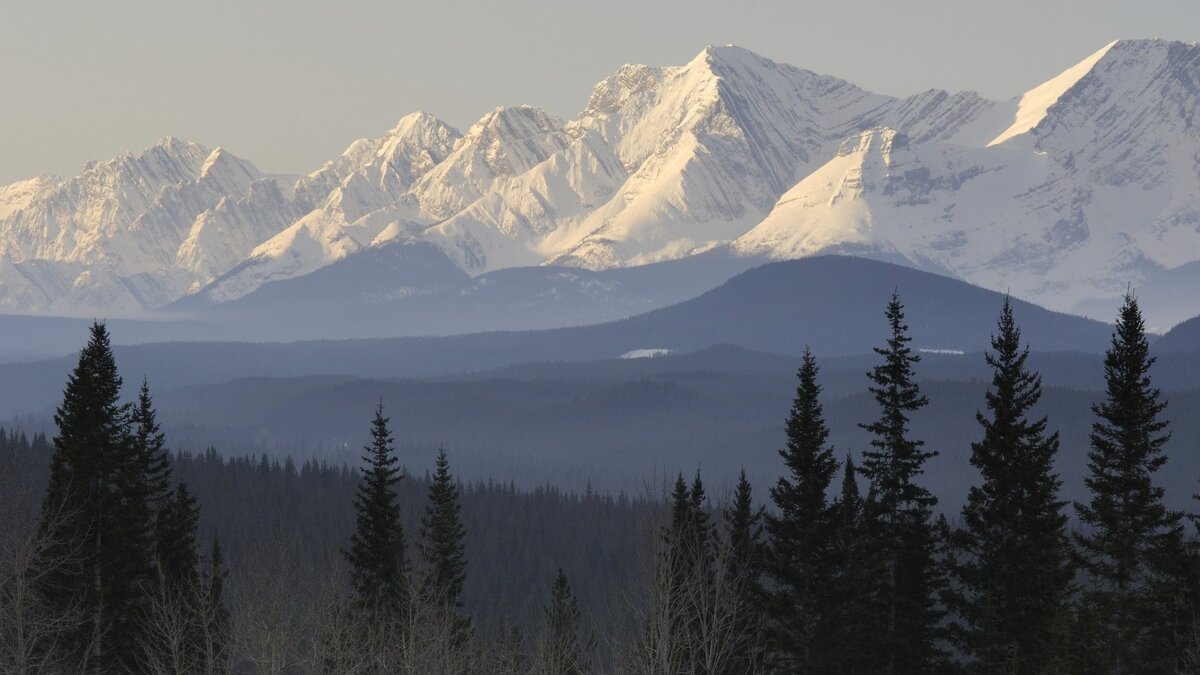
[
  {"x": 692, "y": 613},
  {"x": 349, "y": 639},
  {"x": 436, "y": 639},
  {"x": 271, "y": 617},
  {"x": 30, "y": 629},
  {"x": 507, "y": 653},
  {"x": 185, "y": 633}
]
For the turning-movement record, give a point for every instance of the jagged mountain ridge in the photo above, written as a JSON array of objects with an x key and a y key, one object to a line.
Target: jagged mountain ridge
[
  {"x": 1062, "y": 195},
  {"x": 1092, "y": 188},
  {"x": 133, "y": 232}
]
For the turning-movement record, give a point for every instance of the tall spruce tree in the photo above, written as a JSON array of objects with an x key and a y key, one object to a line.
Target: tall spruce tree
[
  {"x": 743, "y": 572},
  {"x": 442, "y": 535},
  {"x": 1132, "y": 539},
  {"x": 690, "y": 531},
  {"x": 151, "y": 445},
  {"x": 849, "y": 617},
  {"x": 901, "y": 511},
  {"x": 702, "y": 526},
  {"x": 96, "y": 515},
  {"x": 1013, "y": 571},
  {"x": 161, "y": 503},
  {"x": 800, "y": 532},
  {"x": 378, "y": 567},
  {"x": 177, "y": 551},
  {"x": 681, "y": 509},
  {"x": 564, "y": 648},
  {"x": 689, "y": 549},
  {"x": 743, "y": 531}
]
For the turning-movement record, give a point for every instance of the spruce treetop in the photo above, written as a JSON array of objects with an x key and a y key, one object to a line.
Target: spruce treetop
[
  {"x": 895, "y": 458},
  {"x": 807, "y": 456},
  {"x": 1126, "y": 508},
  {"x": 377, "y": 550},
  {"x": 1013, "y": 568},
  {"x": 442, "y": 535}
]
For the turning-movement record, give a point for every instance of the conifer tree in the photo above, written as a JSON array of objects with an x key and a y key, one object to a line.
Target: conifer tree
[
  {"x": 151, "y": 444},
  {"x": 1132, "y": 539},
  {"x": 902, "y": 530},
  {"x": 442, "y": 535},
  {"x": 799, "y": 534},
  {"x": 134, "y": 552},
  {"x": 177, "y": 552},
  {"x": 698, "y": 552},
  {"x": 98, "y": 516},
  {"x": 841, "y": 635},
  {"x": 150, "y": 500},
  {"x": 743, "y": 583},
  {"x": 743, "y": 530},
  {"x": 682, "y": 534},
  {"x": 378, "y": 567},
  {"x": 702, "y": 529},
  {"x": 1013, "y": 571},
  {"x": 689, "y": 539},
  {"x": 564, "y": 648}
]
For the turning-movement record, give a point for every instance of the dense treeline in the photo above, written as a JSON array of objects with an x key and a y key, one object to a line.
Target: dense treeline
[
  {"x": 517, "y": 539},
  {"x": 847, "y": 568}
]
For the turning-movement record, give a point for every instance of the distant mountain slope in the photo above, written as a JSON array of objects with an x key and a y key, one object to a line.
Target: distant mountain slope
[
  {"x": 832, "y": 303},
  {"x": 1184, "y": 337},
  {"x": 413, "y": 288}
]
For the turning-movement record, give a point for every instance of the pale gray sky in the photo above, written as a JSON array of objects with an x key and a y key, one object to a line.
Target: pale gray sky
[{"x": 289, "y": 84}]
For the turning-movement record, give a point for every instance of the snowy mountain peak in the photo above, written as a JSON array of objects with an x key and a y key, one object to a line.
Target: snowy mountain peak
[
  {"x": 419, "y": 133},
  {"x": 1133, "y": 67},
  {"x": 513, "y": 139},
  {"x": 416, "y": 144},
  {"x": 717, "y": 57},
  {"x": 1032, "y": 107},
  {"x": 416, "y": 121},
  {"x": 222, "y": 165},
  {"x": 1130, "y": 118},
  {"x": 505, "y": 142},
  {"x": 174, "y": 144}
]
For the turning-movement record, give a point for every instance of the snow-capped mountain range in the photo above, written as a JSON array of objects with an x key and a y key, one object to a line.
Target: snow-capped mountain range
[{"x": 1065, "y": 195}]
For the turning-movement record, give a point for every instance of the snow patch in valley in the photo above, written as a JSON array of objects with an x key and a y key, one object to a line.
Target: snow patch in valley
[{"x": 645, "y": 353}]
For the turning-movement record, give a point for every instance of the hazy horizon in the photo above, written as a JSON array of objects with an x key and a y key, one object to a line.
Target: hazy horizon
[{"x": 290, "y": 88}]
